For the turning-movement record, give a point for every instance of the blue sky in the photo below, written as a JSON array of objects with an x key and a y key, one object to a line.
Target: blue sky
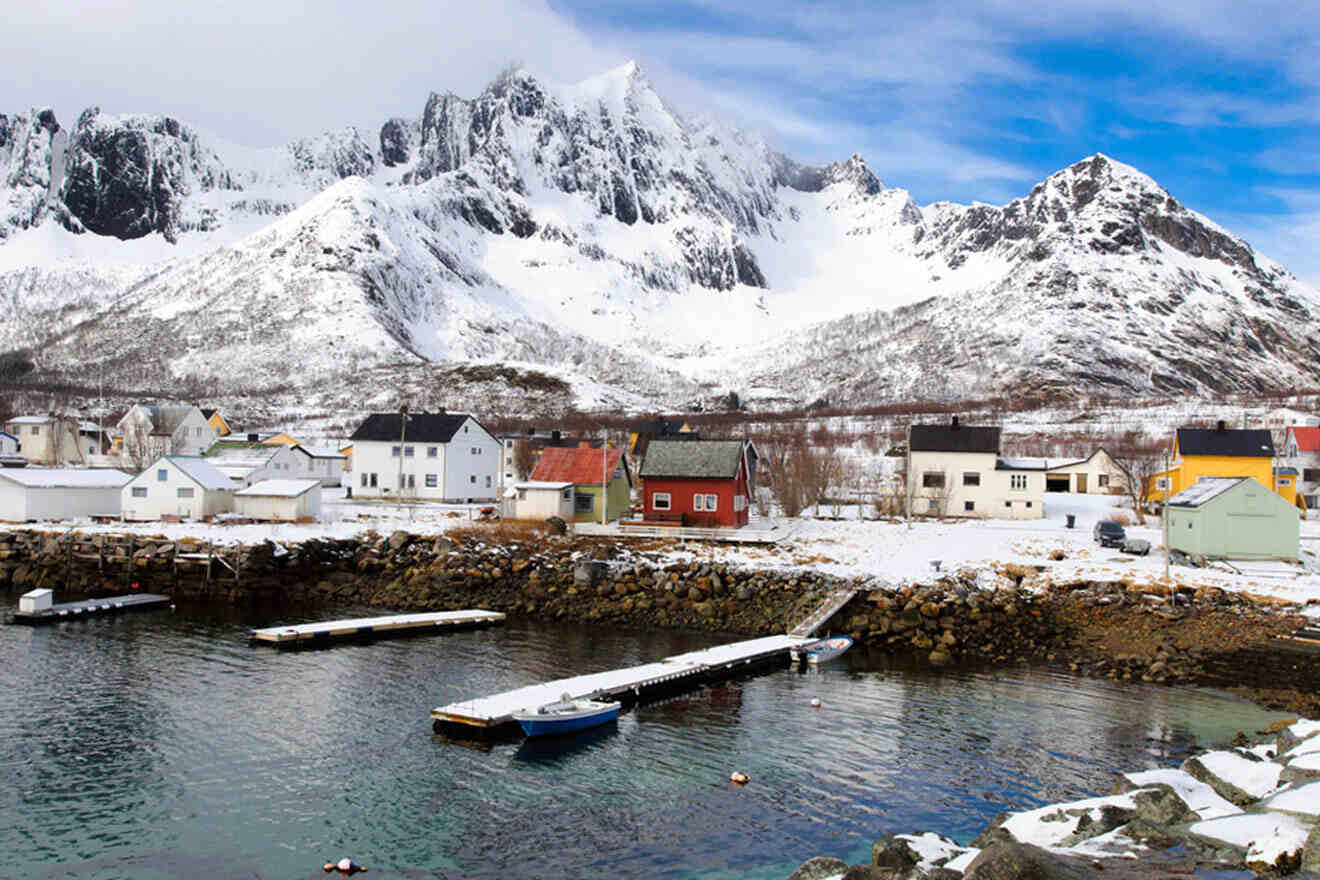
[{"x": 1217, "y": 100}]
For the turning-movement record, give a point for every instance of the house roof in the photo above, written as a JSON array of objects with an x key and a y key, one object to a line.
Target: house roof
[
  {"x": 199, "y": 470},
  {"x": 318, "y": 452},
  {"x": 1230, "y": 442},
  {"x": 31, "y": 420},
  {"x": 421, "y": 427},
  {"x": 279, "y": 488},
  {"x": 207, "y": 413},
  {"x": 953, "y": 438},
  {"x": 247, "y": 455},
  {"x": 1203, "y": 490},
  {"x": 693, "y": 458},
  {"x": 165, "y": 419},
  {"x": 575, "y": 465},
  {"x": 66, "y": 478},
  {"x": 541, "y": 484},
  {"x": 1308, "y": 439}
]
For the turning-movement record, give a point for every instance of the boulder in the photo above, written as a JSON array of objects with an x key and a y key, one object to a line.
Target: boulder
[
  {"x": 892, "y": 851},
  {"x": 1311, "y": 851},
  {"x": 556, "y": 525},
  {"x": 1011, "y": 860},
  {"x": 1160, "y": 805},
  {"x": 819, "y": 868},
  {"x": 1224, "y": 764}
]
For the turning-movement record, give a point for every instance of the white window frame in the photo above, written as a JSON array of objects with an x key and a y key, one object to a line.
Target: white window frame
[
  {"x": 185, "y": 492},
  {"x": 139, "y": 492},
  {"x": 1017, "y": 482},
  {"x": 656, "y": 498},
  {"x": 432, "y": 481},
  {"x": 1162, "y": 484},
  {"x": 705, "y": 501}
]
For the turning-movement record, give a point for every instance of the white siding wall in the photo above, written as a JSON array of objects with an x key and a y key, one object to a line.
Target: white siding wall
[
  {"x": 473, "y": 464},
  {"x": 996, "y": 496},
  {"x": 13, "y": 503},
  {"x": 1099, "y": 465},
  {"x": 53, "y": 504},
  {"x": 459, "y": 472},
  {"x": 265, "y": 507},
  {"x": 194, "y": 435},
  {"x": 543, "y": 503},
  {"x": 162, "y": 496}
]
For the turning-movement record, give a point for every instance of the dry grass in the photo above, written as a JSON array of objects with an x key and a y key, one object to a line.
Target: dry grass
[
  {"x": 533, "y": 534},
  {"x": 1120, "y": 517}
]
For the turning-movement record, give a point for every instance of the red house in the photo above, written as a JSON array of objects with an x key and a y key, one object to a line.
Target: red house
[{"x": 698, "y": 482}]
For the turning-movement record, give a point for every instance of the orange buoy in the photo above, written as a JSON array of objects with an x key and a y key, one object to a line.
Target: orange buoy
[{"x": 738, "y": 778}]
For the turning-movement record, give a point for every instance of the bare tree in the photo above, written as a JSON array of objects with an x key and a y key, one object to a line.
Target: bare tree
[
  {"x": 138, "y": 450},
  {"x": 524, "y": 458},
  {"x": 1141, "y": 460}
]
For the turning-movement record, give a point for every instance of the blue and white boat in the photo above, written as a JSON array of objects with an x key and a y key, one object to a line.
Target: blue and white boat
[
  {"x": 566, "y": 716},
  {"x": 822, "y": 650}
]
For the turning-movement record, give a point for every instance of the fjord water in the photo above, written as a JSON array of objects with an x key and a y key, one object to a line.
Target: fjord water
[{"x": 161, "y": 745}]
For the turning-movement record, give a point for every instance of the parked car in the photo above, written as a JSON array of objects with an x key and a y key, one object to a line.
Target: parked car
[
  {"x": 1108, "y": 533},
  {"x": 1137, "y": 546}
]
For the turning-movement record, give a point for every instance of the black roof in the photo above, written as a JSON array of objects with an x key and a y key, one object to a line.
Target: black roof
[
  {"x": 953, "y": 438},
  {"x": 422, "y": 427},
  {"x": 1234, "y": 442}
]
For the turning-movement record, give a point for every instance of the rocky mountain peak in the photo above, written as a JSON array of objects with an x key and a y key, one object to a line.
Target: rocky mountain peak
[{"x": 854, "y": 172}]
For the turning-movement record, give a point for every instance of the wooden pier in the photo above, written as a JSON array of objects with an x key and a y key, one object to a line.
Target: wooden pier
[
  {"x": 673, "y": 674},
  {"x": 89, "y": 607},
  {"x": 312, "y": 634}
]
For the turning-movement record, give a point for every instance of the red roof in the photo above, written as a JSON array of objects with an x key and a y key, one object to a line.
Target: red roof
[
  {"x": 559, "y": 464},
  {"x": 1308, "y": 439}
]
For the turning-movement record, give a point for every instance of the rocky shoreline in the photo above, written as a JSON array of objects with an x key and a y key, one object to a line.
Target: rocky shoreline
[
  {"x": 1244, "y": 807},
  {"x": 1115, "y": 629}
]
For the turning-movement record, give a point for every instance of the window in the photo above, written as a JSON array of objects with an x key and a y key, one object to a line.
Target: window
[
  {"x": 139, "y": 491},
  {"x": 473, "y": 479},
  {"x": 739, "y": 503},
  {"x": 1102, "y": 481},
  {"x": 407, "y": 452},
  {"x": 465, "y": 429},
  {"x": 567, "y": 494},
  {"x": 162, "y": 475},
  {"x": 1162, "y": 483},
  {"x": 1017, "y": 481},
  {"x": 36, "y": 429},
  {"x": 373, "y": 481},
  {"x": 972, "y": 478},
  {"x": 1028, "y": 504},
  {"x": 432, "y": 482},
  {"x": 197, "y": 432},
  {"x": 932, "y": 480},
  {"x": 476, "y": 450},
  {"x": 432, "y": 451},
  {"x": 522, "y": 494},
  {"x": 1008, "y": 503},
  {"x": 488, "y": 481},
  {"x": 1285, "y": 481},
  {"x": 508, "y": 444},
  {"x": 364, "y": 481},
  {"x": 394, "y": 451},
  {"x": 703, "y": 501},
  {"x": 1311, "y": 475},
  {"x": 969, "y": 505},
  {"x": 412, "y": 481},
  {"x": 583, "y": 502},
  {"x": 660, "y": 500},
  {"x": 185, "y": 492}
]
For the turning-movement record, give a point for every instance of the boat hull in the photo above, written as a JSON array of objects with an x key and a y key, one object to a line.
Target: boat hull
[{"x": 551, "y": 725}]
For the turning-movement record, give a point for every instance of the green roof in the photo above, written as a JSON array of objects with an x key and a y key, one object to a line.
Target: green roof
[{"x": 692, "y": 458}]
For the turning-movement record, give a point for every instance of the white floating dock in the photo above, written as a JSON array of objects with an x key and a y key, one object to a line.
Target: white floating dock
[
  {"x": 677, "y": 672},
  {"x": 395, "y": 624}
]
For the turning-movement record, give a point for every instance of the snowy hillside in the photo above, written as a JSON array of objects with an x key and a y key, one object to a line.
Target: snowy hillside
[{"x": 612, "y": 253}]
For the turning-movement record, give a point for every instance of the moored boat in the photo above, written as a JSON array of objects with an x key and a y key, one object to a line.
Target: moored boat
[
  {"x": 822, "y": 650},
  {"x": 566, "y": 716}
]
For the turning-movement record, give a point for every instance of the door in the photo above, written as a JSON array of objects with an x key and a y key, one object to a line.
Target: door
[{"x": 1081, "y": 482}]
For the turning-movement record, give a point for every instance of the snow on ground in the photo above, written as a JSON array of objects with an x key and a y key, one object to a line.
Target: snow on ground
[
  {"x": 1266, "y": 834},
  {"x": 1199, "y": 797},
  {"x": 1256, "y": 778},
  {"x": 884, "y": 552}
]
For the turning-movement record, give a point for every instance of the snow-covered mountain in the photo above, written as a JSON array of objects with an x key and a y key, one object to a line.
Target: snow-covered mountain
[{"x": 599, "y": 246}]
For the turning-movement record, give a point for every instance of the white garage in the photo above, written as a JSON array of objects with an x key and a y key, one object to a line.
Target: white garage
[
  {"x": 280, "y": 500},
  {"x": 59, "y": 493}
]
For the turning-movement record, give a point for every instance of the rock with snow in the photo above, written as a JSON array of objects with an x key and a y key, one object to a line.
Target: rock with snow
[{"x": 1233, "y": 776}]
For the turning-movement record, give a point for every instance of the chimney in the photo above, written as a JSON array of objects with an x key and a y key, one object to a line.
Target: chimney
[
  {"x": 1220, "y": 426},
  {"x": 954, "y": 424}
]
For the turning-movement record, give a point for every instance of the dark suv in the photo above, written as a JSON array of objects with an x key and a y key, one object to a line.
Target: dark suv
[{"x": 1109, "y": 533}]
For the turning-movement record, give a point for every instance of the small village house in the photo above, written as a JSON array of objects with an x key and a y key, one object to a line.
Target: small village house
[
  {"x": 346, "y": 450},
  {"x": 56, "y": 440},
  {"x": 1301, "y": 453},
  {"x": 600, "y": 478},
  {"x": 1222, "y": 452},
  {"x": 955, "y": 470},
  {"x": 177, "y": 487},
  {"x": 152, "y": 430},
  {"x": 520, "y": 450},
  {"x": 326, "y": 466},
  {"x": 293, "y": 500},
  {"x": 1233, "y": 518},
  {"x": 697, "y": 482},
  {"x": 425, "y": 456},
  {"x": 9, "y": 444},
  {"x": 28, "y": 494},
  {"x": 217, "y": 422},
  {"x": 538, "y": 501},
  {"x": 246, "y": 463}
]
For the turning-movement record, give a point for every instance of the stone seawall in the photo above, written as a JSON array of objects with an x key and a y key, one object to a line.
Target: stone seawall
[{"x": 1180, "y": 635}]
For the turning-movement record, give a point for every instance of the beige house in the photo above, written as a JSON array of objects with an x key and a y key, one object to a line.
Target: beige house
[
  {"x": 55, "y": 440},
  {"x": 1096, "y": 474},
  {"x": 540, "y": 500},
  {"x": 954, "y": 470},
  {"x": 296, "y": 500}
]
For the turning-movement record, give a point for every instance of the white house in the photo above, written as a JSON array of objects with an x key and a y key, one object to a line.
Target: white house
[
  {"x": 280, "y": 500},
  {"x": 425, "y": 456},
  {"x": 150, "y": 431},
  {"x": 247, "y": 463},
  {"x": 1301, "y": 451},
  {"x": 54, "y": 440},
  {"x": 1097, "y": 474},
  {"x": 9, "y": 444},
  {"x": 541, "y": 500},
  {"x": 178, "y": 486},
  {"x": 59, "y": 493},
  {"x": 324, "y": 465},
  {"x": 955, "y": 470}
]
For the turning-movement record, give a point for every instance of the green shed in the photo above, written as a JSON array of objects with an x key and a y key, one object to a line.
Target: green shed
[{"x": 1233, "y": 518}]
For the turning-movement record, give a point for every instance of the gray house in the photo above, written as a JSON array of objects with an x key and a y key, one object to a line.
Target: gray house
[{"x": 1233, "y": 518}]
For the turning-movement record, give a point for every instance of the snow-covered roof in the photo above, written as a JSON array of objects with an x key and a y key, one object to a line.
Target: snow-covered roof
[
  {"x": 31, "y": 420},
  {"x": 541, "y": 484},
  {"x": 1204, "y": 490},
  {"x": 66, "y": 478},
  {"x": 1036, "y": 464},
  {"x": 279, "y": 488},
  {"x": 241, "y": 455},
  {"x": 200, "y": 471},
  {"x": 321, "y": 452}
]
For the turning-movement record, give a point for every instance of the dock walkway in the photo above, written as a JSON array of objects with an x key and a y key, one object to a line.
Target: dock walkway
[
  {"x": 827, "y": 609},
  {"x": 89, "y": 607},
  {"x": 297, "y": 634},
  {"x": 680, "y": 672}
]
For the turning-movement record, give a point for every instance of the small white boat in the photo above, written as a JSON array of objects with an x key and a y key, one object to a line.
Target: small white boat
[
  {"x": 822, "y": 650},
  {"x": 566, "y": 716}
]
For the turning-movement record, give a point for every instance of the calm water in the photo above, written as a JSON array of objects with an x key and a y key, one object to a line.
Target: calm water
[{"x": 161, "y": 745}]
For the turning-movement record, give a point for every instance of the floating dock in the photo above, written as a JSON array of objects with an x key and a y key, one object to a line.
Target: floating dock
[
  {"x": 301, "y": 634},
  {"x": 678, "y": 673},
  {"x": 89, "y": 607}
]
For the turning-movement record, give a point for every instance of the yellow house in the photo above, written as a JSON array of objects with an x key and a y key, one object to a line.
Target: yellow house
[
  {"x": 217, "y": 421},
  {"x": 347, "y": 452},
  {"x": 1222, "y": 452},
  {"x": 280, "y": 440}
]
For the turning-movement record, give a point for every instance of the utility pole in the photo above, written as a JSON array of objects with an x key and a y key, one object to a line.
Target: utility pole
[
  {"x": 1164, "y": 513},
  {"x": 604, "y": 476},
  {"x": 403, "y": 433}
]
